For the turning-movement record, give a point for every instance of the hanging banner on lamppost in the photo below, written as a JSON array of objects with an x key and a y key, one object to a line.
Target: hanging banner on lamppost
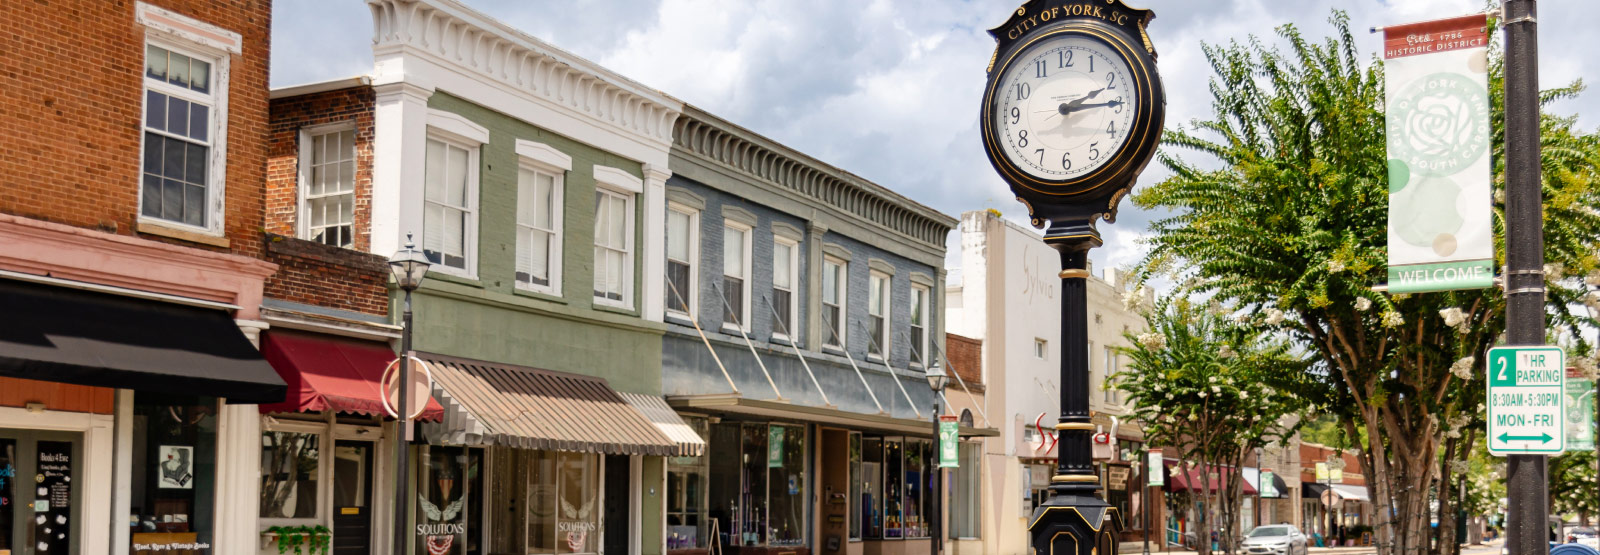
[
  {"x": 949, "y": 441},
  {"x": 1437, "y": 101},
  {"x": 1580, "y": 411},
  {"x": 1153, "y": 469}
]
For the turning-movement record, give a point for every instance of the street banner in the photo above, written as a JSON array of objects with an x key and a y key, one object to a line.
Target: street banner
[
  {"x": 1153, "y": 469},
  {"x": 775, "y": 447},
  {"x": 949, "y": 441},
  {"x": 1268, "y": 488},
  {"x": 1437, "y": 102},
  {"x": 1322, "y": 472},
  {"x": 1580, "y": 411}
]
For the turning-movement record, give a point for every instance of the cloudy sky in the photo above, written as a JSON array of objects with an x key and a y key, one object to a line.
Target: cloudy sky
[{"x": 889, "y": 89}]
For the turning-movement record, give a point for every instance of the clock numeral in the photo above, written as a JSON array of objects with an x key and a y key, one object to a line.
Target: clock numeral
[
  {"x": 1023, "y": 90},
  {"x": 1063, "y": 59},
  {"x": 1091, "y": 64},
  {"x": 1111, "y": 80},
  {"x": 1094, "y": 153},
  {"x": 1040, "y": 152},
  {"x": 1111, "y": 127},
  {"x": 1016, "y": 115},
  {"x": 1039, "y": 69},
  {"x": 1117, "y": 105},
  {"x": 1022, "y": 138},
  {"x": 1066, "y": 163}
]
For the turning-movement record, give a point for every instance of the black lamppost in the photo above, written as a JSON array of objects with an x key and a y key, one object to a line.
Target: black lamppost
[
  {"x": 408, "y": 266},
  {"x": 937, "y": 379}
]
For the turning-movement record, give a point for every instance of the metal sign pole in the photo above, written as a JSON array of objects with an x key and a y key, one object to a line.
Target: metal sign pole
[{"x": 1526, "y": 483}]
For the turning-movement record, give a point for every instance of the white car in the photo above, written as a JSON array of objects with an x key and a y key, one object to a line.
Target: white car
[{"x": 1276, "y": 539}]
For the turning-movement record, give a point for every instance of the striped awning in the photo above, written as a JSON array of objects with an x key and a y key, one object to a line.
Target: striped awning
[
  {"x": 487, "y": 403},
  {"x": 655, "y": 408}
]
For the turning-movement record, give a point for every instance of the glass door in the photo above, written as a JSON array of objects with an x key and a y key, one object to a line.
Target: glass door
[
  {"x": 352, "y": 498},
  {"x": 39, "y": 515}
]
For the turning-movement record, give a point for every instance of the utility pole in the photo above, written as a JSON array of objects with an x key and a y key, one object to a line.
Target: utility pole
[{"x": 1528, "y": 520}]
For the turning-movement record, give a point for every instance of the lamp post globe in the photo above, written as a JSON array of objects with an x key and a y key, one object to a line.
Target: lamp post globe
[
  {"x": 937, "y": 379},
  {"x": 408, "y": 266}
]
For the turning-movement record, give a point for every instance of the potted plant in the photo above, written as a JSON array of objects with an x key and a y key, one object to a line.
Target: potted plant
[{"x": 302, "y": 540}]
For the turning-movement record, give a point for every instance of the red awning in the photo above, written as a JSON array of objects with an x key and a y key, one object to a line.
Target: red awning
[
  {"x": 1219, "y": 477},
  {"x": 327, "y": 374}
]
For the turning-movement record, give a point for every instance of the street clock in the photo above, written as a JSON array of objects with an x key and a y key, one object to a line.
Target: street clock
[{"x": 1073, "y": 107}]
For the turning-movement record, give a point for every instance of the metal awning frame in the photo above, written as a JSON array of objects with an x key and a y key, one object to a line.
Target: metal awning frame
[{"x": 732, "y": 404}]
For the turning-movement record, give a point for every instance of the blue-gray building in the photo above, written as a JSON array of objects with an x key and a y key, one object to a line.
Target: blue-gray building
[{"x": 803, "y": 308}]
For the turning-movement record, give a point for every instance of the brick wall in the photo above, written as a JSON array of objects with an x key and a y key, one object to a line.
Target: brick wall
[
  {"x": 966, "y": 358},
  {"x": 288, "y": 117},
  {"x": 331, "y": 277},
  {"x": 71, "y": 95}
]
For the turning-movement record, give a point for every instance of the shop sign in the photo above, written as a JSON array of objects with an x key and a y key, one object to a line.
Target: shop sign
[
  {"x": 1326, "y": 474},
  {"x": 1117, "y": 477},
  {"x": 775, "y": 447},
  {"x": 1153, "y": 469},
  {"x": 1268, "y": 487},
  {"x": 54, "y": 505},
  {"x": 949, "y": 442},
  {"x": 440, "y": 534}
]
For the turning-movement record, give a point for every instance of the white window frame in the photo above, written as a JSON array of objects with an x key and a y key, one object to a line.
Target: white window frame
[
  {"x": 1109, "y": 371},
  {"x": 217, "y": 129},
  {"x": 618, "y": 183},
  {"x": 690, "y": 297},
  {"x": 747, "y": 248},
  {"x": 884, "y": 346},
  {"x": 794, "y": 285},
  {"x": 324, "y": 470},
  {"x": 541, "y": 158},
  {"x": 1041, "y": 348},
  {"x": 302, "y": 198},
  {"x": 470, "y": 240},
  {"x": 843, "y": 281},
  {"x": 920, "y": 301}
]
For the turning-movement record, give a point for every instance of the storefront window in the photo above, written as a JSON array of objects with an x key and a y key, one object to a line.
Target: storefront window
[
  {"x": 543, "y": 502},
  {"x": 449, "y": 490},
  {"x": 174, "y": 454},
  {"x": 786, "y": 484},
  {"x": 687, "y": 477},
  {"x": 915, "y": 487},
  {"x": 578, "y": 521},
  {"x": 752, "y": 497},
  {"x": 289, "y": 474},
  {"x": 855, "y": 484},
  {"x": 894, "y": 515},
  {"x": 871, "y": 498}
]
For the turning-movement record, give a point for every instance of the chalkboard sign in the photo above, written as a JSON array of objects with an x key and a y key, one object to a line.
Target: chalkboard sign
[{"x": 52, "y": 505}]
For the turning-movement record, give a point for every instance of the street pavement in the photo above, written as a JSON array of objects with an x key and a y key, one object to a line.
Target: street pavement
[{"x": 1491, "y": 548}]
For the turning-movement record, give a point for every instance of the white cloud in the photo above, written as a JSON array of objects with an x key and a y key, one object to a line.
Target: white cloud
[{"x": 890, "y": 90}]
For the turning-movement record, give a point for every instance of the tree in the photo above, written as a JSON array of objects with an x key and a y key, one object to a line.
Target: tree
[
  {"x": 1292, "y": 229},
  {"x": 1205, "y": 387}
]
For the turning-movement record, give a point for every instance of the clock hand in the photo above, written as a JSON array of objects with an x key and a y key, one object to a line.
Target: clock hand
[
  {"x": 1106, "y": 104},
  {"x": 1066, "y": 108}
]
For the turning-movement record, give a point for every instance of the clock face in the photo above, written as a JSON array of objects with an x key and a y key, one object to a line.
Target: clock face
[{"x": 1064, "y": 107}]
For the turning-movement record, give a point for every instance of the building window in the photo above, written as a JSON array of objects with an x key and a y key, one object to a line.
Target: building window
[
  {"x": 181, "y": 134},
  {"x": 174, "y": 474},
  {"x": 894, "y": 514},
  {"x": 785, "y": 274},
  {"x": 736, "y": 276},
  {"x": 289, "y": 463},
  {"x": 878, "y": 315},
  {"x": 688, "y": 514},
  {"x": 1110, "y": 375},
  {"x": 919, "y": 325},
  {"x": 683, "y": 227},
  {"x": 449, "y": 479},
  {"x": 786, "y": 485},
  {"x": 613, "y": 247},
  {"x": 327, "y": 185},
  {"x": 449, "y": 217},
  {"x": 833, "y": 296},
  {"x": 965, "y": 497},
  {"x": 1041, "y": 349},
  {"x": 539, "y": 208}
]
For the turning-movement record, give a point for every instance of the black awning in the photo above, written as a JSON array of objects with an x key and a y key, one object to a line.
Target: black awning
[
  {"x": 1279, "y": 486},
  {"x": 1312, "y": 490},
  {"x": 59, "y": 334}
]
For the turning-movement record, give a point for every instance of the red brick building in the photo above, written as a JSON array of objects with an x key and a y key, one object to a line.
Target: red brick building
[{"x": 132, "y": 268}]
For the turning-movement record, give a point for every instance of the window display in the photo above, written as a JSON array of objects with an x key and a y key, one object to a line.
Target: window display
[
  {"x": 855, "y": 484},
  {"x": 871, "y": 496},
  {"x": 174, "y": 459},
  {"x": 894, "y": 514},
  {"x": 760, "y": 496},
  {"x": 916, "y": 487},
  {"x": 751, "y": 525},
  {"x": 786, "y": 485},
  {"x": 687, "y": 478},
  {"x": 289, "y": 463},
  {"x": 449, "y": 489}
]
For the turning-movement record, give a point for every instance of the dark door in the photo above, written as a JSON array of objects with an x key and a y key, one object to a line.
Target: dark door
[
  {"x": 352, "y": 498},
  {"x": 618, "y": 488},
  {"x": 38, "y": 504}
]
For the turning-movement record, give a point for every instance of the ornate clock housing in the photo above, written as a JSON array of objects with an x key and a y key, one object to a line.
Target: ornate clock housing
[{"x": 1073, "y": 108}]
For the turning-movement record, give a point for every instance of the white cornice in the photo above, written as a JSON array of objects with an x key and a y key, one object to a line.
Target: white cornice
[{"x": 451, "y": 33}]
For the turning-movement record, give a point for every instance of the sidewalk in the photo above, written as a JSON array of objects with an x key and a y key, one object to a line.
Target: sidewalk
[{"x": 1132, "y": 548}]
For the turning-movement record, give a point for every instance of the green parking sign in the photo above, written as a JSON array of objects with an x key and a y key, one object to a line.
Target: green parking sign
[{"x": 1526, "y": 400}]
